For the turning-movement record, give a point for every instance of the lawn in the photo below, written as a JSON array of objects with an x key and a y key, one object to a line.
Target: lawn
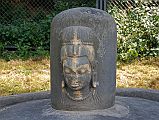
[{"x": 18, "y": 76}]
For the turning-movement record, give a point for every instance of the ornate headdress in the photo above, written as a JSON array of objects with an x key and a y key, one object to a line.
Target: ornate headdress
[{"x": 74, "y": 46}]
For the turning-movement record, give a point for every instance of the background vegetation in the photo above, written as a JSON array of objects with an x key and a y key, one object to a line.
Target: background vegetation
[
  {"x": 18, "y": 76},
  {"x": 138, "y": 32},
  {"x": 26, "y": 27},
  {"x": 30, "y": 33}
]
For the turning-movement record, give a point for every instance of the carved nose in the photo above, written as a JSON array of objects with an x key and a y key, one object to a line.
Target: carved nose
[
  {"x": 75, "y": 75},
  {"x": 75, "y": 82},
  {"x": 75, "y": 50}
]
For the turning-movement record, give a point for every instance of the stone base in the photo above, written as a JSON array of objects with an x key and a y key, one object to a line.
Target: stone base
[{"x": 126, "y": 108}]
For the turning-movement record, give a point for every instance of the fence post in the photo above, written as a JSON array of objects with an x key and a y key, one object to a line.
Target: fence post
[{"x": 101, "y": 4}]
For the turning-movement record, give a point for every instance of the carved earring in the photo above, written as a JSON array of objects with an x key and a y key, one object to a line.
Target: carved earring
[
  {"x": 94, "y": 79},
  {"x": 62, "y": 81},
  {"x": 63, "y": 84},
  {"x": 94, "y": 75}
]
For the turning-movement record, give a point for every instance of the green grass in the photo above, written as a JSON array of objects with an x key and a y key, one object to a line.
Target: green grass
[{"x": 17, "y": 76}]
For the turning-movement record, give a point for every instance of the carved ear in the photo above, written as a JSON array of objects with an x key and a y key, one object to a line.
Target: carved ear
[
  {"x": 63, "y": 84},
  {"x": 94, "y": 80},
  {"x": 94, "y": 75},
  {"x": 62, "y": 81}
]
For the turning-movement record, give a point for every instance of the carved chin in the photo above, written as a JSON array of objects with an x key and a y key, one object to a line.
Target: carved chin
[{"x": 77, "y": 95}]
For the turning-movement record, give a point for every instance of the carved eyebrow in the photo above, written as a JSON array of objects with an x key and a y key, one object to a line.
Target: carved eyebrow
[
  {"x": 69, "y": 68},
  {"x": 65, "y": 66},
  {"x": 78, "y": 68}
]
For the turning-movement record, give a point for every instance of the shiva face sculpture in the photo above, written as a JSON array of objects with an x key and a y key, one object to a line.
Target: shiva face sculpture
[
  {"x": 77, "y": 72},
  {"x": 77, "y": 58}
]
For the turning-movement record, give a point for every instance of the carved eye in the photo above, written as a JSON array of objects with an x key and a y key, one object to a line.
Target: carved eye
[
  {"x": 67, "y": 70},
  {"x": 82, "y": 71}
]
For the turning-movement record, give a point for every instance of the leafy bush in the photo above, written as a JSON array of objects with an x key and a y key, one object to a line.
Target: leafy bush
[
  {"x": 138, "y": 32},
  {"x": 26, "y": 36},
  {"x": 27, "y": 32}
]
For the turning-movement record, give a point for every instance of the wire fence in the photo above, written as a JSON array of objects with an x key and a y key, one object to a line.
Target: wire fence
[
  {"x": 127, "y": 4},
  {"x": 129, "y": 14},
  {"x": 13, "y": 10}
]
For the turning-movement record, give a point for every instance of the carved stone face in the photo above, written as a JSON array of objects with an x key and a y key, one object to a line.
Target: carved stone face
[
  {"x": 77, "y": 72},
  {"x": 77, "y": 58}
]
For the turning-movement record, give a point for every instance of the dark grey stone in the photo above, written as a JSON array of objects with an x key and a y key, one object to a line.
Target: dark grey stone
[
  {"x": 125, "y": 92},
  {"x": 126, "y": 108},
  {"x": 13, "y": 99},
  {"x": 129, "y": 92},
  {"x": 94, "y": 32},
  {"x": 140, "y": 93},
  {"x": 142, "y": 105}
]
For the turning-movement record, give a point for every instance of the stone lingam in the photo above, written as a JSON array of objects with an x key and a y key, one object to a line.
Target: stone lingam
[
  {"x": 83, "y": 60},
  {"x": 83, "y": 76}
]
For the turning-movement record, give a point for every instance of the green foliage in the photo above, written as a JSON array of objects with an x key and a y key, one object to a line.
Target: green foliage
[
  {"x": 138, "y": 32},
  {"x": 26, "y": 36},
  {"x": 27, "y": 33},
  {"x": 6, "y": 12},
  {"x": 30, "y": 31},
  {"x": 62, "y": 5}
]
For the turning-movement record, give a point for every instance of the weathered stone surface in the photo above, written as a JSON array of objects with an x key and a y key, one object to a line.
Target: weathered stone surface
[
  {"x": 37, "y": 106},
  {"x": 126, "y": 108},
  {"x": 140, "y": 93},
  {"x": 13, "y": 99},
  {"x": 93, "y": 32},
  {"x": 129, "y": 92}
]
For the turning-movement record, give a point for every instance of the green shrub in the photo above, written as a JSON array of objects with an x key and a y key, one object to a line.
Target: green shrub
[
  {"x": 25, "y": 31},
  {"x": 26, "y": 36},
  {"x": 138, "y": 32}
]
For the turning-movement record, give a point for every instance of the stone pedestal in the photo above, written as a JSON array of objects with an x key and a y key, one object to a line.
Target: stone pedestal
[{"x": 137, "y": 104}]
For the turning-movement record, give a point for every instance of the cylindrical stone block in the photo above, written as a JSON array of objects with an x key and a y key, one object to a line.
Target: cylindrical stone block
[{"x": 83, "y": 60}]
